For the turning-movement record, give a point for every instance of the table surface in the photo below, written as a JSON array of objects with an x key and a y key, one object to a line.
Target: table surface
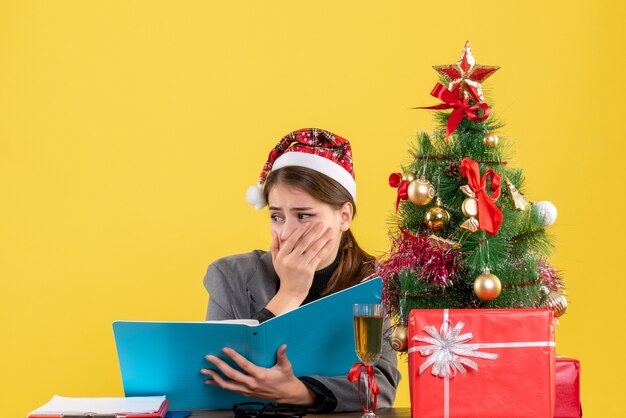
[{"x": 382, "y": 413}]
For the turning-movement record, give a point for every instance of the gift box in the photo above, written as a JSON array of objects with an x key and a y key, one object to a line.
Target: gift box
[
  {"x": 481, "y": 363},
  {"x": 567, "y": 392}
]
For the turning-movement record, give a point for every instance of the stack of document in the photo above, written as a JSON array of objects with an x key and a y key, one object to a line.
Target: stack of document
[{"x": 133, "y": 407}]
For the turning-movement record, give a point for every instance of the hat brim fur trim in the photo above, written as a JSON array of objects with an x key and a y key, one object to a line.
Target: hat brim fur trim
[{"x": 321, "y": 164}]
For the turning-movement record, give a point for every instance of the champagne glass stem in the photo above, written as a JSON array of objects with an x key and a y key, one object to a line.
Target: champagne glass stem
[
  {"x": 369, "y": 413},
  {"x": 368, "y": 394}
]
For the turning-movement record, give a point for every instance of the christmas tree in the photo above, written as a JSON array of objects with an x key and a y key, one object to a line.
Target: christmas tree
[{"x": 464, "y": 234}]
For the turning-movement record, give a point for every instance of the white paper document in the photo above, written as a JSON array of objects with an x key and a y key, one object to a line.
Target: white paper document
[{"x": 134, "y": 405}]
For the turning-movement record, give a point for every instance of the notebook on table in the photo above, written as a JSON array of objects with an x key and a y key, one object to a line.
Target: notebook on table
[{"x": 135, "y": 407}]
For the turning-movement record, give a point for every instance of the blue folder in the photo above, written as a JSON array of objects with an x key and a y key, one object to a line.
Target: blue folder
[{"x": 165, "y": 358}]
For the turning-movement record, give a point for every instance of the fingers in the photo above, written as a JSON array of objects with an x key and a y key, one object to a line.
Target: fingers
[
  {"x": 290, "y": 243},
  {"x": 315, "y": 233},
  {"x": 228, "y": 371},
  {"x": 241, "y": 361},
  {"x": 273, "y": 383},
  {"x": 320, "y": 244},
  {"x": 274, "y": 246},
  {"x": 311, "y": 246},
  {"x": 319, "y": 250},
  {"x": 281, "y": 357},
  {"x": 218, "y": 380}
]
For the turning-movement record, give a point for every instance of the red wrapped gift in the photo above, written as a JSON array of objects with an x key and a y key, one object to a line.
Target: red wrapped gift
[
  {"x": 567, "y": 402},
  {"x": 481, "y": 363}
]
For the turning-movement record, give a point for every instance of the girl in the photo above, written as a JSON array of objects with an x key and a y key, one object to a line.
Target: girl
[{"x": 308, "y": 182}]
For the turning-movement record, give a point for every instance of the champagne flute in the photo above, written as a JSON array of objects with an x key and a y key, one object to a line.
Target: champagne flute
[{"x": 368, "y": 339}]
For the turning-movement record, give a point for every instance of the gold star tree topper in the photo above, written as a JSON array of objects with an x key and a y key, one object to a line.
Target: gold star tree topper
[{"x": 465, "y": 76}]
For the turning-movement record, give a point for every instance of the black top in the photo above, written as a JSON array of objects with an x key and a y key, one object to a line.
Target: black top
[{"x": 320, "y": 281}]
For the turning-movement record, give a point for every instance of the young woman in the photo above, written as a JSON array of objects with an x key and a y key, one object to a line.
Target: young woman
[{"x": 308, "y": 182}]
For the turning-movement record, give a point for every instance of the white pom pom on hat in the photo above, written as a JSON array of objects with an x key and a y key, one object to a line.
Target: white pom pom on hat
[
  {"x": 313, "y": 148},
  {"x": 255, "y": 196}
]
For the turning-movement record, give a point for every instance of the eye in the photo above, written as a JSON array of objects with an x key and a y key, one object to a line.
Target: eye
[
  {"x": 302, "y": 216},
  {"x": 276, "y": 218}
]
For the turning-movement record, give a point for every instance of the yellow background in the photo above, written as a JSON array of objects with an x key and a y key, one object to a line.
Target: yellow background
[{"x": 129, "y": 131}]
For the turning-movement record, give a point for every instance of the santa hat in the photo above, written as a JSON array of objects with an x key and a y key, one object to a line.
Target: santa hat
[{"x": 312, "y": 148}]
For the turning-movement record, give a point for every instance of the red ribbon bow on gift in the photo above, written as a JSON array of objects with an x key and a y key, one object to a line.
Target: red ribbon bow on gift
[
  {"x": 395, "y": 180},
  {"x": 489, "y": 215},
  {"x": 461, "y": 108},
  {"x": 355, "y": 373}
]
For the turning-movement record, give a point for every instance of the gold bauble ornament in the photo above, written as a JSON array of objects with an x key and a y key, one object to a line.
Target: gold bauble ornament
[
  {"x": 437, "y": 218},
  {"x": 487, "y": 286},
  {"x": 470, "y": 207},
  {"x": 408, "y": 177},
  {"x": 421, "y": 191},
  {"x": 490, "y": 140},
  {"x": 399, "y": 339},
  {"x": 556, "y": 301}
]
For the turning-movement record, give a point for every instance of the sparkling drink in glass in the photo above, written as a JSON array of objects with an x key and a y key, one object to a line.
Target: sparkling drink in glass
[{"x": 368, "y": 340}]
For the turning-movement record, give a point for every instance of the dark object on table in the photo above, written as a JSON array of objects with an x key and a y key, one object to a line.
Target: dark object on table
[{"x": 269, "y": 409}]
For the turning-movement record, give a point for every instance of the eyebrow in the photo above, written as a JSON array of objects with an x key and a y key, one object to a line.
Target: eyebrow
[{"x": 292, "y": 209}]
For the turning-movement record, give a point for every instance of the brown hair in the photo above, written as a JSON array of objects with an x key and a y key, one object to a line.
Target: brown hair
[{"x": 354, "y": 263}]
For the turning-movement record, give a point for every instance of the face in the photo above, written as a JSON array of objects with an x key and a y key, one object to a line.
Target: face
[{"x": 291, "y": 207}]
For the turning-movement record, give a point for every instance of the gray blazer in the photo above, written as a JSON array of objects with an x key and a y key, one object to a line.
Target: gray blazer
[{"x": 241, "y": 285}]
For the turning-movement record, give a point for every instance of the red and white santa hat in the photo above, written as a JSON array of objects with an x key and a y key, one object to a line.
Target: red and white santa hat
[{"x": 312, "y": 148}]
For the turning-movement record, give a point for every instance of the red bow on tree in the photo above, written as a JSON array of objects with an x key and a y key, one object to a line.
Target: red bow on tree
[
  {"x": 395, "y": 180},
  {"x": 489, "y": 215},
  {"x": 461, "y": 108},
  {"x": 355, "y": 373}
]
